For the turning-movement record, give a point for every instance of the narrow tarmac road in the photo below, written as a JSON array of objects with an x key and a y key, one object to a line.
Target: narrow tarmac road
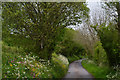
[{"x": 77, "y": 72}]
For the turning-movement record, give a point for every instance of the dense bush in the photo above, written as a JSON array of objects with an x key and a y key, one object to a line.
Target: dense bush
[
  {"x": 75, "y": 57},
  {"x": 60, "y": 65},
  {"x": 19, "y": 41},
  {"x": 110, "y": 41},
  {"x": 68, "y": 47},
  {"x": 100, "y": 56}
]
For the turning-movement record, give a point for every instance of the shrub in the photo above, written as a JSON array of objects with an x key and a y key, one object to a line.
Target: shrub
[
  {"x": 60, "y": 64},
  {"x": 100, "y": 56}
]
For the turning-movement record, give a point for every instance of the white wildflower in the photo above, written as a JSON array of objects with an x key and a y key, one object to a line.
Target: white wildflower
[
  {"x": 17, "y": 68},
  {"x": 25, "y": 62},
  {"x": 25, "y": 76},
  {"x": 8, "y": 71},
  {"x": 30, "y": 61},
  {"x": 23, "y": 72},
  {"x": 18, "y": 74},
  {"x": 18, "y": 62},
  {"x": 24, "y": 58},
  {"x": 34, "y": 59},
  {"x": 28, "y": 67}
]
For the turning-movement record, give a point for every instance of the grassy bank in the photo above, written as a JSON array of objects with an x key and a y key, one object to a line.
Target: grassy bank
[
  {"x": 16, "y": 63},
  {"x": 96, "y": 71}
]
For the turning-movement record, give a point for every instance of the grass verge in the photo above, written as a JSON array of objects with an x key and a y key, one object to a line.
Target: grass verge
[{"x": 96, "y": 71}]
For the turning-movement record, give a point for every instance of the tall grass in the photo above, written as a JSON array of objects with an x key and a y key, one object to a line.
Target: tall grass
[{"x": 95, "y": 70}]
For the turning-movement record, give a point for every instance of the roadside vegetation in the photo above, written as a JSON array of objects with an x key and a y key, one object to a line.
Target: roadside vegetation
[
  {"x": 95, "y": 70},
  {"x": 41, "y": 39},
  {"x": 18, "y": 64},
  {"x": 103, "y": 72}
]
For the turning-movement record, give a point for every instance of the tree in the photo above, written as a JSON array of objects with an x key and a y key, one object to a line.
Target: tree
[
  {"x": 113, "y": 9},
  {"x": 68, "y": 46},
  {"x": 105, "y": 26},
  {"x": 42, "y": 21}
]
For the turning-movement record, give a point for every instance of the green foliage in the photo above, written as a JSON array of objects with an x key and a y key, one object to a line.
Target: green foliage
[
  {"x": 43, "y": 22},
  {"x": 19, "y": 41},
  {"x": 68, "y": 46},
  {"x": 100, "y": 56},
  {"x": 110, "y": 42},
  {"x": 18, "y": 64},
  {"x": 96, "y": 71},
  {"x": 60, "y": 65},
  {"x": 112, "y": 33},
  {"x": 112, "y": 8},
  {"x": 75, "y": 57}
]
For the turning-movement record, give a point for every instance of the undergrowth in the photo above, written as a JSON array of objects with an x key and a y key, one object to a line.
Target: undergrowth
[{"x": 16, "y": 63}]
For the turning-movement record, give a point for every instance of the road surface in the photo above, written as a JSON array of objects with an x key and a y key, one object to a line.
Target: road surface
[{"x": 77, "y": 72}]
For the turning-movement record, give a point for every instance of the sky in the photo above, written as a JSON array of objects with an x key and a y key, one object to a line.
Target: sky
[{"x": 94, "y": 7}]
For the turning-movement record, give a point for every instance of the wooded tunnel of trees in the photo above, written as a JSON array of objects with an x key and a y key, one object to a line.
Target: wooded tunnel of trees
[{"x": 66, "y": 28}]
